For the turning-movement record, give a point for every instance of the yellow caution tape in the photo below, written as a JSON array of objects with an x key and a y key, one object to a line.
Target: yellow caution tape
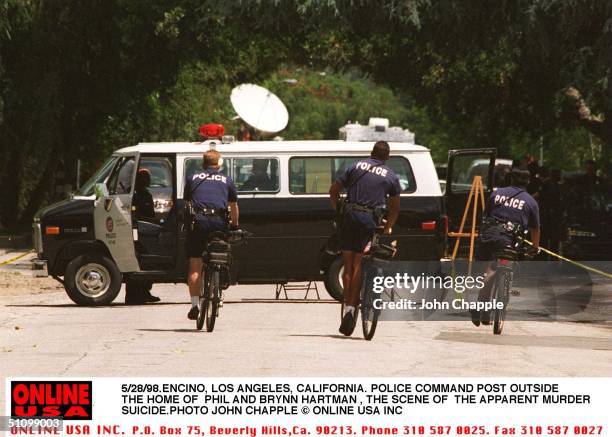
[
  {"x": 8, "y": 261},
  {"x": 607, "y": 275}
]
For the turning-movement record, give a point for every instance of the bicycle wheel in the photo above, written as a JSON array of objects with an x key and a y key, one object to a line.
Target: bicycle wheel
[
  {"x": 369, "y": 314},
  {"x": 213, "y": 301},
  {"x": 203, "y": 303},
  {"x": 502, "y": 293}
]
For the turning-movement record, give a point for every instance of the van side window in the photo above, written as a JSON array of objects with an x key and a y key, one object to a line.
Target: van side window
[
  {"x": 120, "y": 181},
  {"x": 314, "y": 175},
  {"x": 194, "y": 165},
  {"x": 256, "y": 175}
]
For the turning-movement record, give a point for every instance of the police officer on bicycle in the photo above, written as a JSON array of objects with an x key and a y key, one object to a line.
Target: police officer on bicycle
[
  {"x": 507, "y": 208},
  {"x": 368, "y": 183},
  {"x": 211, "y": 192}
]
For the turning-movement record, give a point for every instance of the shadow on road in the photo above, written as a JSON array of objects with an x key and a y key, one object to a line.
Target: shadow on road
[
  {"x": 259, "y": 300},
  {"x": 171, "y": 330},
  {"x": 122, "y": 305},
  {"x": 72, "y": 305},
  {"x": 570, "y": 342},
  {"x": 336, "y": 336}
]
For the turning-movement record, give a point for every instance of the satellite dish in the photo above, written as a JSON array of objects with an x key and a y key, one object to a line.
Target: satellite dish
[{"x": 259, "y": 108}]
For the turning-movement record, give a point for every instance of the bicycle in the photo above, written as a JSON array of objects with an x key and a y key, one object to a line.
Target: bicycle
[
  {"x": 216, "y": 274},
  {"x": 369, "y": 313},
  {"x": 505, "y": 266}
]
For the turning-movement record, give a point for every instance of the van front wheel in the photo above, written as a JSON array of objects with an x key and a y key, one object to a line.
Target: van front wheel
[
  {"x": 333, "y": 279},
  {"x": 92, "y": 280}
]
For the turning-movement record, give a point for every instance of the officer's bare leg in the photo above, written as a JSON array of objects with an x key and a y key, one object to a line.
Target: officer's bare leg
[
  {"x": 347, "y": 258},
  {"x": 194, "y": 279},
  {"x": 484, "y": 295},
  {"x": 356, "y": 280}
]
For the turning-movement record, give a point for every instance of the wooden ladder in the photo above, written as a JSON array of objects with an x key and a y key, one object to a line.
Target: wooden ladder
[{"x": 476, "y": 193}]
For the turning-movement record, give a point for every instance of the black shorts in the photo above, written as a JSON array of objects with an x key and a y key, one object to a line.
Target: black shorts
[
  {"x": 491, "y": 241},
  {"x": 487, "y": 252},
  {"x": 198, "y": 238},
  {"x": 490, "y": 250},
  {"x": 356, "y": 231}
]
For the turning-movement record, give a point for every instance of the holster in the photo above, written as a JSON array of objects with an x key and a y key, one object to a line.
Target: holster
[
  {"x": 190, "y": 215},
  {"x": 340, "y": 212}
]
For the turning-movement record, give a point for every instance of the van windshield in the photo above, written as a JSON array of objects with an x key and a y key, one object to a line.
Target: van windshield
[{"x": 99, "y": 177}]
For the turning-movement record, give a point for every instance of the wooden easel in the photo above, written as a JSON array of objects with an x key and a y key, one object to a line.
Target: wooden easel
[{"x": 476, "y": 192}]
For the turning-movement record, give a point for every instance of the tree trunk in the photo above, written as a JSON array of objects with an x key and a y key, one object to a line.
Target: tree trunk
[{"x": 599, "y": 126}]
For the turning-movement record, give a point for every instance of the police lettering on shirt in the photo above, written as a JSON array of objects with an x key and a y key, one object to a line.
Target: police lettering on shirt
[
  {"x": 369, "y": 182},
  {"x": 210, "y": 177},
  {"x": 210, "y": 189},
  {"x": 515, "y": 205},
  {"x": 366, "y": 166},
  {"x": 512, "y": 203}
]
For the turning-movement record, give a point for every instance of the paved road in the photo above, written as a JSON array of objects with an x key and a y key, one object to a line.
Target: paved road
[{"x": 45, "y": 334}]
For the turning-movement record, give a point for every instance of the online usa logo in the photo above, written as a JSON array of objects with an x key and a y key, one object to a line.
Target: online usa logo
[{"x": 71, "y": 400}]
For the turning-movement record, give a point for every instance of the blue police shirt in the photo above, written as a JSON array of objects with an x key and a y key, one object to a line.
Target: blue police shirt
[
  {"x": 215, "y": 190},
  {"x": 515, "y": 205},
  {"x": 369, "y": 181}
]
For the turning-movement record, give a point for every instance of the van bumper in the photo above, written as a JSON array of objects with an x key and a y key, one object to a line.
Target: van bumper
[{"x": 39, "y": 268}]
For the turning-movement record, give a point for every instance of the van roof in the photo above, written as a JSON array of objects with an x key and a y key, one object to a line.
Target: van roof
[{"x": 269, "y": 146}]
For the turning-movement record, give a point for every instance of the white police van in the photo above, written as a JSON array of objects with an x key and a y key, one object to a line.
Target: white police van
[{"x": 94, "y": 241}]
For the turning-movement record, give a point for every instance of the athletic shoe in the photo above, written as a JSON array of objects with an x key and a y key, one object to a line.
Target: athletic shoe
[
  {"x": 475, "y": 317},
  {"x": 193, "y": 313},
  {"x": 348, "y": 324},
  {"x": 485, "y": 317},
  {"x": 148, "y": 297}
]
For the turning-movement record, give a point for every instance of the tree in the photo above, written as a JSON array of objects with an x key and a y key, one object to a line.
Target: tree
[
  {"x": 79, "y": 79},
  {"x": 68, "y": 67}
]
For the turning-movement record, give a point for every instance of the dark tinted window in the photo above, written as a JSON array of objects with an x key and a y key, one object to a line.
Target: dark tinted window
[
  {"x": 194, "y": 165},
  {"x": 465, "y": 167},
  {"x": 255, "y": 175}
]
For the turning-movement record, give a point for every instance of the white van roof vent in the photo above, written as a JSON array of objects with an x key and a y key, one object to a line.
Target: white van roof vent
[{"x": 377, "y": 130}]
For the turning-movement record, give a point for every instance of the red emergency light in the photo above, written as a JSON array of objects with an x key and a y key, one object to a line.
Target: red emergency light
[{"x": 212, "y": 130}]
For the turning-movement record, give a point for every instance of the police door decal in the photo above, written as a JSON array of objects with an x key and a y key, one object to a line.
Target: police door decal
[{"x": 113, "y": 217}]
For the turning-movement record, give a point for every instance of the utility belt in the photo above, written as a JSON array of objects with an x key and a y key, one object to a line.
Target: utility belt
[
  {"x": 356, "y": 207},
  {"x": 507, "y": 226},
  {"x": 192, "y": 211},
  {"x": 495, "y": 233},
  {"x": 345, "y": 207},
  {"x": 220, "y": 212}
]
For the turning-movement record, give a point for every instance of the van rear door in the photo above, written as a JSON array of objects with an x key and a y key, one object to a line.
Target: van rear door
[{"x": 463, "y": 166}]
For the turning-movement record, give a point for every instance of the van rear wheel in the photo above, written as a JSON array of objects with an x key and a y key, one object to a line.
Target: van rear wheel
[
  {"x": 333, "y": 279},
  {"x": 92, "y": 280}
]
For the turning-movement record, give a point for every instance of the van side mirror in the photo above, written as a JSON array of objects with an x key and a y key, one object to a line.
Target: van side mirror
[{"x": 101, "y": 191}]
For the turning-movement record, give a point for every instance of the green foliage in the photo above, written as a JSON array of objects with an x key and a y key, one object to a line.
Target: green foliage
[
  {"x": 79, "y": 79},
  {"x": 319, "y": 102}
]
